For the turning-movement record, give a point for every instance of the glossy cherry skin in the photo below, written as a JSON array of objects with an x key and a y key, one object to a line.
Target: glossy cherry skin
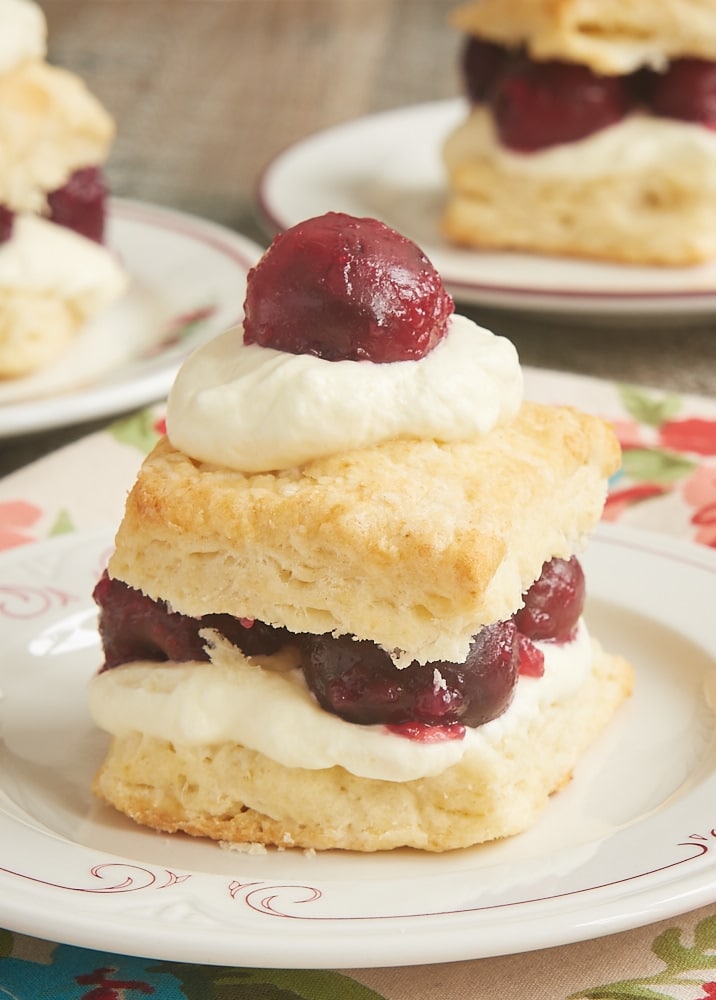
[
  {"x": 554, "y": 603},
  {"x": 359, "y": 682},
  {"x": 132, "y": 626},
  {"x": 346, "y": 288}
]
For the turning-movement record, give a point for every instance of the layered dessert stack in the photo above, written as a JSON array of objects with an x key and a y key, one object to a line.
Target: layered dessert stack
[
  {"x": 344, "y": 609},
  {"x": 55, "y": 272},
  {"x": 591, "y": 130}
]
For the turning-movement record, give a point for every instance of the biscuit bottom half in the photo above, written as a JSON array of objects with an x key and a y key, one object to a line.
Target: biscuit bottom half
[{"x": 233, "y": 794}]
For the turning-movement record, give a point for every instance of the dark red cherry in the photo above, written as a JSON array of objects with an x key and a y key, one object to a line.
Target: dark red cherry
[
  {"x": 132, "y": 626},
  {"x": 7, "y": 219},
  {"x": 359, "y": 682},
  {"x": 341, "y": 287},
  {"x": 687, "y": 90},
  {"x": 80, "y": 204},
  {"x": 542, "y": 104},
  {"x": 554, "y": 602},
  {"x": 531, "y": 658},
  {"x": 482, "y": 63}
]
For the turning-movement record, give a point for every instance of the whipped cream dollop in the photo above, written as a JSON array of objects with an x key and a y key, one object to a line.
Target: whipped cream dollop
[
  {"x": 635, "y": 143},
  {"x": 269, "y": 708},
  {"x": 23, "y": 33},
  {"x": 255, "y": 409},
  {"x": 44, "y": 258}
]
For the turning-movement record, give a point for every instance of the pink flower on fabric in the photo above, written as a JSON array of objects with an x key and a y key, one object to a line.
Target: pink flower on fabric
[
  {"x": 629, "y": 433},
  {"x": 699, "y": 491},
  {"x": 694, "y": 434},
  {"x": 709, "y": 992},
  {"x": 16, "y": 516}
]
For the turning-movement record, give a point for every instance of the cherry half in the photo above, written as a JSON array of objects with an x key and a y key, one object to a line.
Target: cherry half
[{"x": 346, "y": 288}]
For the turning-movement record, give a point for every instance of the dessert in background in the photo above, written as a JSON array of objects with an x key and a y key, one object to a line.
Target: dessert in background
[
  {"x": 344, "y": 607},
  {"x": 591, "y": 130},
  {"x": 55, "y": 272}
]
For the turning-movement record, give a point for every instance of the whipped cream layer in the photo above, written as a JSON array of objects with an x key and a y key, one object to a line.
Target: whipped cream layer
[
  {"x": 254, "y": 409},
  {"x": 47, "y": 259},
  {"x": 23, "y": 33},
  {"x": 636, "y": 143},
  {"x": 265, "y": 705}
]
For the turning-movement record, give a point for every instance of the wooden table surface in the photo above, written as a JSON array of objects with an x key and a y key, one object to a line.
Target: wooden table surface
[{"x": 206, "y": 92}]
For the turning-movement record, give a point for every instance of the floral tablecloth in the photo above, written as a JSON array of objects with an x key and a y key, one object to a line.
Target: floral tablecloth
[{"x": 667, "y": 484}]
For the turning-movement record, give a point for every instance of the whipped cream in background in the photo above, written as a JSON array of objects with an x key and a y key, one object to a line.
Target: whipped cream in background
[
  {"x": 23, "y": 33},
  {"x": 637, "y": 142},
  {"x": 254, "y": 409},
  {"x": 199, "y": 703},
  {"x": 45, "y": 258}
]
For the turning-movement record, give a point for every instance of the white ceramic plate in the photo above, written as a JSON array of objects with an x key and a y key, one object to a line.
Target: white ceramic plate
[
  {"x": 187, "y": 283},
  {"x": 630, "y": 841},
  {"x": 389, "y": 166}
]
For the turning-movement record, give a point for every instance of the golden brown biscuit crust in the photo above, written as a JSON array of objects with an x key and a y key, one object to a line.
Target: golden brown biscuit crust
[
  {"x": 233, "y": 794},
  {"x": 611, "y": 36},
  {"x": 412, "y": 544},
  {"x": 658, "y": 214},
  {"x": 35, "y": 329}
]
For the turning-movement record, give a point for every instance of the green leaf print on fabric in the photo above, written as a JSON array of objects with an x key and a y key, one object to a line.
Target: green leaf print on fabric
[
  {"x": 138, "y": 430},
  {"x": 648, "y": 409},
  {"x": 685, "y": 967},
  {"x": 654, "y": 465},
  {"x": 208, "y": 982},
  {"x": 63, "y": 524}
]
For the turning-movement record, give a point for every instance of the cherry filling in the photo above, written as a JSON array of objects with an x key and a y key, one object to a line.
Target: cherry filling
[
  {"x": 542, "y": 104},
  {"x": 482, "y": 63},
  {"x": 357, "y": 680},
  {"x": 7, "y": 218},
  {"x": 687, "y": 91},
  {"x": 132, "y": 626},
  {"x": 539, "y": 104},
  {"x": 79, "y": 205}
]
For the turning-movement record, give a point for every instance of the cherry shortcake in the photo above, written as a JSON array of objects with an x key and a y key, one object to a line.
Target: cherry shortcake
[
  {"x": 344, "y": 609},
  {"x": 590, "y": 130}
]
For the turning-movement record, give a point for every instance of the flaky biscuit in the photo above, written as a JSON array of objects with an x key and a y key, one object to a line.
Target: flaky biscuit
[
  {"x": 611, "y": 36},
  {"x": 412, "y": 544},
  {"x": 52, "y": 282},
  {"x": 35, "y": 329},
  {"x": 50, "y": 126},
  {"x": 236, "y": 795},
  {"x": 661, "y": 213}
]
